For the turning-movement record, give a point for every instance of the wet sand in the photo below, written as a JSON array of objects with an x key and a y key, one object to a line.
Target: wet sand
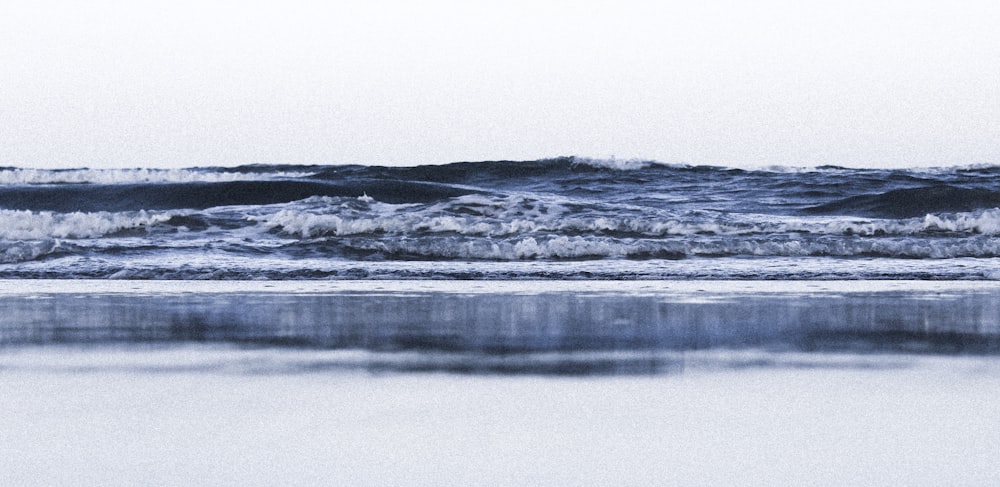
[
  {"x": 479, "y": 383},
  {"x": 925, "y": 421}
]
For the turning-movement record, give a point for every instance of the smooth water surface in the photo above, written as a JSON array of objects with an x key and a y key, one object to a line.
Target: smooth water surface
[{"x": 534, "y": 327}]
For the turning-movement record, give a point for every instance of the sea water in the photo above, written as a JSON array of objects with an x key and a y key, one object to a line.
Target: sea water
[
  {"x": 565, "y": 321},
  {"x": 567, "y": 218}
]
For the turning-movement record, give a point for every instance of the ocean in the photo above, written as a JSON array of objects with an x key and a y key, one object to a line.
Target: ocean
[
  {"x": 566, "y": 218},
  {"x": 565, "y": 321}
]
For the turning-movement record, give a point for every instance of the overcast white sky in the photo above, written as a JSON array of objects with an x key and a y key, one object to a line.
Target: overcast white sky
[{"x": 182, "y": 83}]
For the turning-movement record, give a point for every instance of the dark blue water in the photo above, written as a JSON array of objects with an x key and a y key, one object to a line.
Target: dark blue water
[{"x": 565, "y": 218}]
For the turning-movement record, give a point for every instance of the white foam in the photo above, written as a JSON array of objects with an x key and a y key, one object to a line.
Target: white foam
[
  {"x": 576, "y": 247},
  {"x": 31, "y": 225},
  {"x": 20, "y": 176},
  {"x": 982, "y": 221},
  {"x": 518, "y": 215},
  {"x": 520, "y": 227},
  {"x": 11, "y": 252},
  {"x": 612, "y": 163}
]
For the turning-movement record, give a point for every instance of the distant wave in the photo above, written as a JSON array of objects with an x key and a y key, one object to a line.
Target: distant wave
[
  {"x": 18, "y": 176},
  {"x": 454, "y": 171},
  {"x": 201, "y": 195},
  {"x": 911, "y": 202}
]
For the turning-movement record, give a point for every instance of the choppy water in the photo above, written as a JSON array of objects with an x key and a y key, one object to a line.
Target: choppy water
[{"x": 563, "y": 218}]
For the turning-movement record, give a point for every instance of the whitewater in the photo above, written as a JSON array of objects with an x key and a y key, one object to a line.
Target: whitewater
[{"x": 562, "y": 218}]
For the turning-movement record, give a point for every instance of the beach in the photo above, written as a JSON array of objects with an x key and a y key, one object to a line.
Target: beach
[
  {"x": 928, "y": 421},
  {"x": 765, "y": 383}
]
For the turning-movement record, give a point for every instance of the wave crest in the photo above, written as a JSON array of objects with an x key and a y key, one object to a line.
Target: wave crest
[
  {"x": 24, "y": 251},
  {"x": 612, "y": 163},
  {"x": 31, "y": 225},
  {"x": 26, "y": 176}
]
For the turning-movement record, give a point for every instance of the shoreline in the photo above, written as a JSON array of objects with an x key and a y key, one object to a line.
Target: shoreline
[
  {"x": 488, "y": 327},
  {"x": 499, "y": 382},
  {"x": 18, "y": 287}
]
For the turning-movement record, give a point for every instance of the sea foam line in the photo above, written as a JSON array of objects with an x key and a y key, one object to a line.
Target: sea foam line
[{"x": 27, "y": 176}]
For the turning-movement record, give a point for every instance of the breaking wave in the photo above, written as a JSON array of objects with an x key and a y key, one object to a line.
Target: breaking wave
[
  {"x": 566, "y": 217},
  {"x": 30, "y": 225},
  {"x": 20, "y": 176},
  {"x": 573, "y": 248},
  {"x": 23, "y": 251},
  {"x": 478, "y": 215}
]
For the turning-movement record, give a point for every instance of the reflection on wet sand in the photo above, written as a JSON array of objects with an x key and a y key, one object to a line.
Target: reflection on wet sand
[{"x": 500, "y": 333}]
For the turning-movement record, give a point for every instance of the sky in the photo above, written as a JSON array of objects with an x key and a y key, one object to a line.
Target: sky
[{"x": 746, "y": 84}]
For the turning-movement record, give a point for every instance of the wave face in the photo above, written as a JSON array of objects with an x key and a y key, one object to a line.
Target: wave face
[{"x": 563, "y": 218}]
